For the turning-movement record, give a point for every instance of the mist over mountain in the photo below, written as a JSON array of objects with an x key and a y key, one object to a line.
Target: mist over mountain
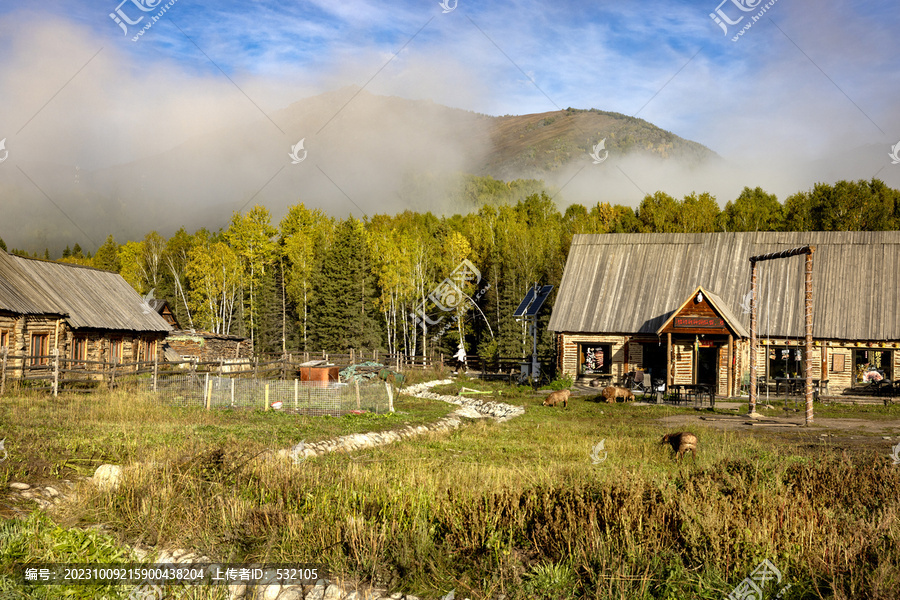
[
  {"x": 364, "y": 154},
  {"x": 361, "y": 154}
]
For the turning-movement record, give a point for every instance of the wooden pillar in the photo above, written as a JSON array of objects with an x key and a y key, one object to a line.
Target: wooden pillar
[
  {"x": 670, "y": 362},
  {"x": 753, "y": 340},
  {"x": 4, "y": 352},
  {"x": 731, "y": 364},
  {"x": 809, "y": 336}
]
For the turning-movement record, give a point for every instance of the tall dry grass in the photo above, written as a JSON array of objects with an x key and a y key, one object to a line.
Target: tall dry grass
[{"x": 520, "y": 509}]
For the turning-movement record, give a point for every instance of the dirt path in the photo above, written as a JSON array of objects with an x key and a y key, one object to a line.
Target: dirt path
[{"x": 854, "y": 435}]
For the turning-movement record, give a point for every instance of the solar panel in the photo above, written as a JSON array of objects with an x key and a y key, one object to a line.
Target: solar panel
[
  {"x": 533, "y": 301},
  {"x": 539, "y": 301},
  {"x": 529, "y": 298}
]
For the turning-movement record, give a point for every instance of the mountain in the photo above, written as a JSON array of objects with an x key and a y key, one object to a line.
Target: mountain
[{"x": 362, "y": 153}]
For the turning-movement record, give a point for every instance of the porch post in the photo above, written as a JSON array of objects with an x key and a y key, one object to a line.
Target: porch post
[{"x": 670, "y": 366}]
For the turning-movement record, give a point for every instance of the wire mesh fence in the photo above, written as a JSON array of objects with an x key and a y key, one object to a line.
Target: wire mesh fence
[{"x": 294, "y": 396}]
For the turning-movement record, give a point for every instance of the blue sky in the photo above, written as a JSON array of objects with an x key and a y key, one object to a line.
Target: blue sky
[{"x": 807, "y": 82}]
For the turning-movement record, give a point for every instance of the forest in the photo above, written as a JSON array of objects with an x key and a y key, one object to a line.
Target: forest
[{"x": 398, "y": 283}]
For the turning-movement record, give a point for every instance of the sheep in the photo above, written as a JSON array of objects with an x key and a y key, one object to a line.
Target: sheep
[
  {"x": 681, "y": 443},
  {"x": 557, "y": 397},
  {"x": 612, "y": 393}
]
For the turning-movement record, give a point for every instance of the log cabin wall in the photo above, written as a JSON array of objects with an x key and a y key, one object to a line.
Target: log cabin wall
[{"x": 569, "y": 344}]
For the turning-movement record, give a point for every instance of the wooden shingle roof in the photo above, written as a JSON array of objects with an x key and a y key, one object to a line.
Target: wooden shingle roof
[
  {"x": 85, "y": 297},
  {"x": 631, "y": 283}
]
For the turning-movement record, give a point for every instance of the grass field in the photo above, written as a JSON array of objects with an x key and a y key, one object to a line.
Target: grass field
[{"x": 517, "y": 509}]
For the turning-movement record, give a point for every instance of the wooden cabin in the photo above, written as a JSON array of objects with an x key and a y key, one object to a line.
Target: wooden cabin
[
  {"x": 162, "y": 308},
  {"x": 678, "y": 306},
  {"x": 81, "y": 312},
  {"x": 205, "y": 346}
]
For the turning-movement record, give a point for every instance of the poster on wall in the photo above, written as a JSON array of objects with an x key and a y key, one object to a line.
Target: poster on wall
[{"x": 594, "y": 360}]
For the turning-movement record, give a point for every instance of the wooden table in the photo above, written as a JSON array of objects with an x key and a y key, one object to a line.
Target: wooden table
[
  {"x": 794, "y": 385},
  {"x": 695, "y": 392}
]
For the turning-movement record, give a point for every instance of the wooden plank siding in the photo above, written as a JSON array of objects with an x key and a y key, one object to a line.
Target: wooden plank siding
[
  {"x": 67, "y": 302},
  {"x": 625, "y": 287},
  {"x": 632, "y": 282}
]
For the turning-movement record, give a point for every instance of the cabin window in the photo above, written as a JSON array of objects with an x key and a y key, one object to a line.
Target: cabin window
[
  {"x": 785, "y": 361},
  {"x": 40, "y": 349},
  {"x": 595, "y": 359},
  {"x": 872, "y": 366},
  {"x": 79, "y": 350},
  {"x": 4, "y": 339},
  {"x": 115, "y": 350}
]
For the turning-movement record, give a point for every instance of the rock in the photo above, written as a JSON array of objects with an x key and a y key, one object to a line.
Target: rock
[
  {"x": 291, "y": 593},
  {"x": 108, "y": 476},
  {"x": 51, "y": 491},
  {"x": 317, "y": 593},
  {"x": 19, "y": 486},
  {"x": 270, "y": 592},
  {"x": 237, "y": 591},
  {"x": 333, "y": 592}
]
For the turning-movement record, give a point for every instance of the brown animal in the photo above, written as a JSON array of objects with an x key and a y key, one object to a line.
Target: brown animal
[
  {"x": 557, "y": 397},
  {"x": 613, "y": 393},
  {"x": 681, "y": 443}
]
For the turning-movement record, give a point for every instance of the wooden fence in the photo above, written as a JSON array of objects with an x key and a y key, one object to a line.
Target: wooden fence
[{"x": 53, "y": 372}]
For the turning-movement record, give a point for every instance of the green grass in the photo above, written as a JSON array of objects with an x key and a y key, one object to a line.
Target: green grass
[
  {"x": 71, "y": 435},
  {"x": 516, "y": 508}
]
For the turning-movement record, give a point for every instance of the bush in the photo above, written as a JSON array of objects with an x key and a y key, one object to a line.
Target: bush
[{"x": 561, "y": 383}]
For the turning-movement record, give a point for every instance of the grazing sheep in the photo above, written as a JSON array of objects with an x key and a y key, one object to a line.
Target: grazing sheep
[
  {"x": 612, "y": 393},
  {"x": 681, "y": 443},
  {"x": 557, "y": 397}
]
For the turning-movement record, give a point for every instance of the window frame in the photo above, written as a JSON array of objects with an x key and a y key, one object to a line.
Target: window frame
[
  {"x": 41, "y": 358},
  {"x": 605, "y": 347}
]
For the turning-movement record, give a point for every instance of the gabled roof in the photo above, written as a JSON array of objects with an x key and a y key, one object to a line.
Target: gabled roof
[
  {"x": 718, "y": 305},
  {"x": 631, "y": 283},
  {"x": 84, "y": 296}
]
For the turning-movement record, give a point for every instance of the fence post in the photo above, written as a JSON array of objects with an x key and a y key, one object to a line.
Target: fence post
[
  {"x": 390, "y": 393},
  {"x": 267, "y": 397},
  {"x": 112, "y": 376},
  {"x": 155, "y": 373},
  {"x": 232, "y": 391},
  {"x": 351, "y": 356},
  {"x": 5, "y": 352},
  {"x": 209, "y": 385},
  {"x": 356, "y": 387},
  {"x": 296, "y": 392},
  {"x": 55, "y": 371}
]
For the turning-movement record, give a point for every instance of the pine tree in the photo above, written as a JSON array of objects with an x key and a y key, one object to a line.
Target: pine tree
[
  {"x": 107, "y": 257},
  {"x": 344, "y": 312}
]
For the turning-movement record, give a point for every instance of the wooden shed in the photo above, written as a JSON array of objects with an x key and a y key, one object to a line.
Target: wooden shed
[
  {"x": 81, "y": 312},
  {"x": 677, "y": 306}
]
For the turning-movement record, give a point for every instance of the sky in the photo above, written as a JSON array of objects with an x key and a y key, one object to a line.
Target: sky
[{"x": 787, "y": 92}]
